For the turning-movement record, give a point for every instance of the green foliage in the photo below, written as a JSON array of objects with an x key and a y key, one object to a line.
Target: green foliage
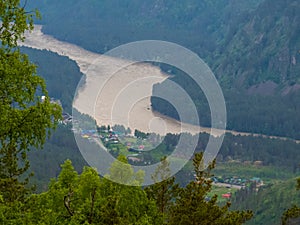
[
  {"x": 267, "y": 41},
  {"x": 25, "y": 119},
  {"x": 164, "y": 191},
  {"x": 122, "y": 173},
  {"x": 248, "y": 171},
  {"x": 290, "y": 215},
  {"x": 45, "y": 164},
  {"x": 278, "y": 153},
  {"x": 140, "y": 134},
  {"x": 268, "y": 203},
  {"x": 86, "y": 198},
  {"x": 15, "y": 21},
  {"x": 238, "y": 149},
  {"x": 89, "y": 199}
]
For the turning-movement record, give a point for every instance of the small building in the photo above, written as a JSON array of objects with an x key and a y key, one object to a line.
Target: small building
[
  {"x": 67, "y": 118},
  {"x": 227, "y": 195},
  {"x": 258, "y": 163},
  {"x": 133, "y": 159}
]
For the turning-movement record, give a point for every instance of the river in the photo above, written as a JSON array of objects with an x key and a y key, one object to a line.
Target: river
[{"x": 100, "y": 93}]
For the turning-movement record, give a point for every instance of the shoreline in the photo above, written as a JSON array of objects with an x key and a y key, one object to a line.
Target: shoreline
[{"x": 108, "y": 85}]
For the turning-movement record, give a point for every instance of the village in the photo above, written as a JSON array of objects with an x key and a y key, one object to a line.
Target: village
[
  {"x": 119, "y": 140},
  {"x": 136, "y": 146}
]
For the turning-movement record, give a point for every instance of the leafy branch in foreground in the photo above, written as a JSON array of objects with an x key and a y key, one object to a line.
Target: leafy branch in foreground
[
  {"x": 15, "y": 20},
  {"x": 25, "y": 119}
]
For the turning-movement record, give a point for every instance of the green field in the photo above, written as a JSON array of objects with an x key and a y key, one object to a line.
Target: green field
[
  {"x": 268, "y": 174},
  {"x": 219, "y": 191}
]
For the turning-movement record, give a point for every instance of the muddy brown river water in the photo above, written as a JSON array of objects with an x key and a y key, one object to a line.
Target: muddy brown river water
[{"x": 104, "y": 95}]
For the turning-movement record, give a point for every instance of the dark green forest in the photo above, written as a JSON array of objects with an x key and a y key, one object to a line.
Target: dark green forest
[
  {"x": 61, "y": 75},
  {"x": 271, "y": 114},
  {"x": 242, "y": 41},
  {"x": 269, "y": 203}
]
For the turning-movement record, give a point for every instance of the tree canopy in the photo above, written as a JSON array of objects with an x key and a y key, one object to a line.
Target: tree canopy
[
  {"x": 87, "y": 198},
  {"x": 25, "y": 119}
]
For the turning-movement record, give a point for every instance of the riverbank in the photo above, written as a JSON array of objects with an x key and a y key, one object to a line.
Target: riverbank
[{"x": 105, "y": 94}]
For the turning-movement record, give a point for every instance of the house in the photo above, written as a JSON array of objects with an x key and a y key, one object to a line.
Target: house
[
  {"x": 134, "y": 159},
  {"x": 67, "y": 118},
  {"x": 258, "y": 163},
  {"x": 258, "y": 182},
  {"x": 227, "y": 195}
]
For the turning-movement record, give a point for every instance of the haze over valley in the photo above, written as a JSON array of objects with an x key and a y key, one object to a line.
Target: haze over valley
[{"x": 91, "y": 135}]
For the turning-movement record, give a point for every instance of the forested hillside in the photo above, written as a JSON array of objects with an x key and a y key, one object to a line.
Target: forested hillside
[
  {"x": 102, "y": 25},
  {"x": 268, "y": 203},
  {"x": 266, "y": 114},
  {"x": 265, "y": 50},
  {"x": 61, "y": 75},
  {"x": 254, "y": 41}
]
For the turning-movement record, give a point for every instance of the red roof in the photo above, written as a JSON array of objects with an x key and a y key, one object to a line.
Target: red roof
[{"x": 227, "y": 195}]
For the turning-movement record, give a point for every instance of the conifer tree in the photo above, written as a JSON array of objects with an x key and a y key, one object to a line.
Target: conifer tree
[
  {"x": 192, "y": 207},
  {"x": 164, "y": 190}
]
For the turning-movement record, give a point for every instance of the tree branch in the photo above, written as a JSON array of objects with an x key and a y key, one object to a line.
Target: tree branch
[{"x": 67, "y": 202}]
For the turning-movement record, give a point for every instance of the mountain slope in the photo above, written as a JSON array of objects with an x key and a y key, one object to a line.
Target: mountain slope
[
  {"x": 266, "y": 48},
  {"x": 269, "y": 203},
  {"x": 247, "y": 42},
  {"x": 99, "y": 26}
]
